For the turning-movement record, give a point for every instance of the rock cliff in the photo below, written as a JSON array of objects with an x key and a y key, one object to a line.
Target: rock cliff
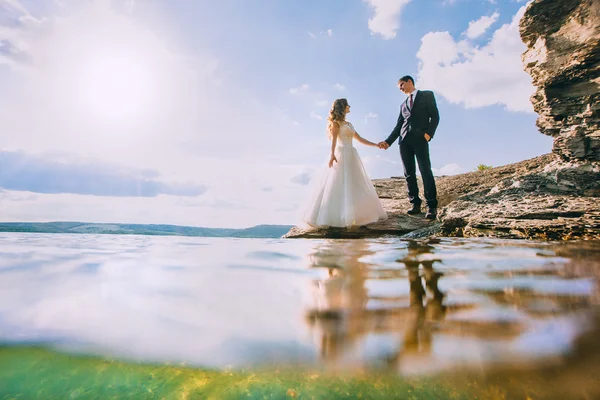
[{"x": 563, "y": 58}]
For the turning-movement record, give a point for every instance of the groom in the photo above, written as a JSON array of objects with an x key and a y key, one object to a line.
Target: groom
[{"x": 418, "y": 120}]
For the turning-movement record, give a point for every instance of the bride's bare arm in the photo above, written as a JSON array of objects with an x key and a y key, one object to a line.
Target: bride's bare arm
[
  {"x": 335, "y": 129},
  {"x": 363, "y": 140}
]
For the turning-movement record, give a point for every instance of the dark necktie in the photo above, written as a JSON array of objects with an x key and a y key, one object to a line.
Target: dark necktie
[{"x": 411, "y": 101}]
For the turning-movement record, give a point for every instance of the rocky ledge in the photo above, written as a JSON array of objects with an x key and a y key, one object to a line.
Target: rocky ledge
[
  {"x": 541, "y": 198},
  {"x": 554, "y": 196}
]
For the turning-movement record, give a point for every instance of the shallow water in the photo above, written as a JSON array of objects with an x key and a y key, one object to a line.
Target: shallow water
[{"x": 410, "y": 307}]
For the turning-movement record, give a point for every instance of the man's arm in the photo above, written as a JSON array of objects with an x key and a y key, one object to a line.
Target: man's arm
[
  {"x": 396, "y": 132},
  {"x": 434, "y": 115}
]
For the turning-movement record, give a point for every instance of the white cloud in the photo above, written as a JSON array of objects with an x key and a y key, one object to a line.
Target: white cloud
[
  {"x": 451, "y": 2},
  {"x": 304, "y": 178},
  {"x": 479, "y": 27},
  {"x": 475, "y": 76},
  {"x": 316, "y": 116},
  {"x": 300, "y": 89},
  {"x": 328, "y": 32},
  {"x": 386, "y": 20},
  {"x": 385, "y": 166},
  {"x": 382, "y": 166},
  {"x": 14, "y": 4},
  {"x": 130, "y": 5},
  {"x": 448, "y": 169},
  {"x": 321, "y": 103},
  {"x": 370, "y": 115},
  {"x": 339, "y": 86},
  {"x": 15, "y": 35}
]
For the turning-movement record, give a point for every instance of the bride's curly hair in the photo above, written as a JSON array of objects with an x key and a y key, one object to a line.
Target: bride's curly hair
[{"x": 336, "y": 114}]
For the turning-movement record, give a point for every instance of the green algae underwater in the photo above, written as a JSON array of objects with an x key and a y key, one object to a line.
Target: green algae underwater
[
  {"x": 31, "y": 372},
  {"x": 27, "y": 373}
]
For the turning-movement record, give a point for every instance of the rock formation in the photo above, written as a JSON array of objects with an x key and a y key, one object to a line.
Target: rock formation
[
  {"x": 552, "y": 197},
  {"x": 563, "y": 58},
  {"x": 542, "y": 198}
]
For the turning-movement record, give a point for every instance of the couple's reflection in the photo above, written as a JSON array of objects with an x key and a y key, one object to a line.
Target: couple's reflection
[
  {"x": 425, "y": 303},
  {"x": 345, "y": 312},
  {"x": 341, "y": 297}
]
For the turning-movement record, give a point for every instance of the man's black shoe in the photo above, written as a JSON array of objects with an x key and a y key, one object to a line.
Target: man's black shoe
[
  {"x": 431, "y": 213},
  {"x": 415, "y": 210}
]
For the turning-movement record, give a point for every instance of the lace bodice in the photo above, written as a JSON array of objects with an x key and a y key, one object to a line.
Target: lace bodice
[{"x": 346, "y": 134}]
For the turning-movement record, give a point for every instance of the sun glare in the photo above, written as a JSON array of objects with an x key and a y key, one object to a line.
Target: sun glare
[{"x": 117, "y": 87}]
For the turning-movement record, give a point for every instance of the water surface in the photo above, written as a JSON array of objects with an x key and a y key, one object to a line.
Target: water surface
[{"x": 410, "y": 307}]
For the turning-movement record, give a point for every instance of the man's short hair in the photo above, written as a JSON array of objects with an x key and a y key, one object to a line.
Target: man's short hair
[{"x": 406, "y": 78}]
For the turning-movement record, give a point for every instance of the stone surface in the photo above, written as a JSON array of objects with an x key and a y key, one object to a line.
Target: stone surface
[
  {"x": 398, "y": 223},
  {"x": 563, "y": 59},
  {"x": 543, "y": 198}
]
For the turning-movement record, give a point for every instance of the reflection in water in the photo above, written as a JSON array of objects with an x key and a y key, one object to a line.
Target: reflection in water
[
  {"x": 417, "y": 338},
  {"x": 408, "y": 307},
  {"x": 343, "y": 315},
  {"x": 531, "y": 311}
]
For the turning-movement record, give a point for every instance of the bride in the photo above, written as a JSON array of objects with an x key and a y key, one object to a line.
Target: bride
[{"x": 345, "y": 197}]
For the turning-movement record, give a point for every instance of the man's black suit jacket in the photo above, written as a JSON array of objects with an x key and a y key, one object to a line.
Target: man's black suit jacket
[{"x": 414, "y": 124}]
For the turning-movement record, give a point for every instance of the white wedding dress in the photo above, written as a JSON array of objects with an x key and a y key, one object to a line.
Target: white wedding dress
[{"x": 344, "y": 196}]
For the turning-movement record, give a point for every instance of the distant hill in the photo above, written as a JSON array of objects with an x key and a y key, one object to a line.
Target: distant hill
[{"x": 259, "y": 231}]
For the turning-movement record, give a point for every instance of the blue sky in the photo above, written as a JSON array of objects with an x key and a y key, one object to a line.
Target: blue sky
[{"x": 213, "y": 113}]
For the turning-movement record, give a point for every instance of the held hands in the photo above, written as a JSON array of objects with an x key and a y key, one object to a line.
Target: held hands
[
  {"x": 331, "y": 160},
  {"x": 384, "y": 145}
]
